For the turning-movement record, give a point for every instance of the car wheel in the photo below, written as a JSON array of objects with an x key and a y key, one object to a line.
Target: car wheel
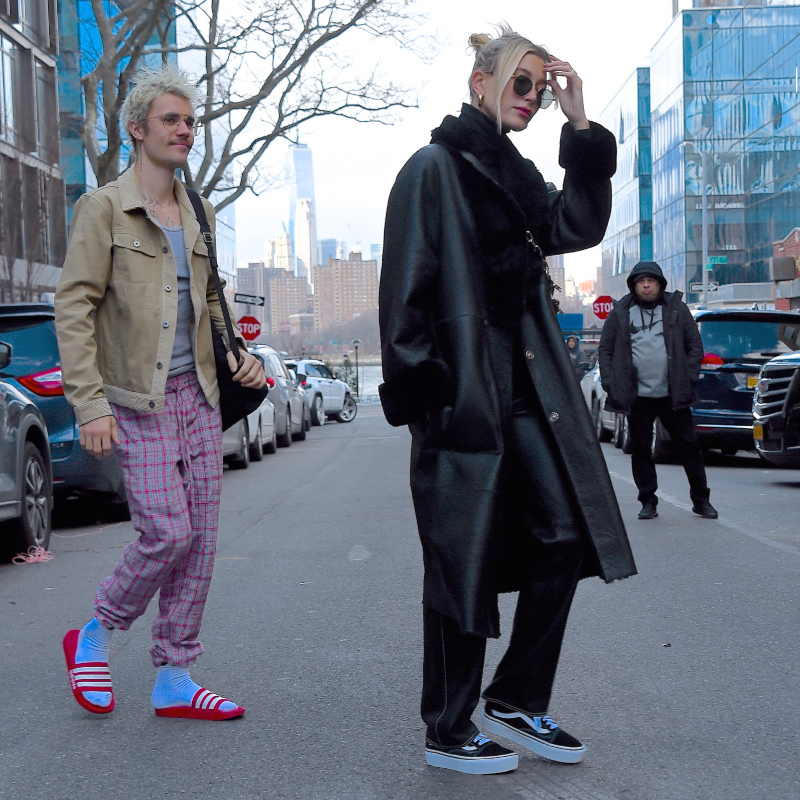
[
  {"x": 272, "y": 445},
  {"x": 257, "y": 447},
  {"x": 318, "y": 410},
  {"x": 33, "y": 527},
  {"x": 349, "y": 410},
  {"x": 242, "y": 459},
  {"x": 300, "y": 435},
  {"x": 626, "y": 444},
  {"x": 285, "y": 439},
  {"x": 597, "y": 415},
  {"x": 307, "y": 418}
]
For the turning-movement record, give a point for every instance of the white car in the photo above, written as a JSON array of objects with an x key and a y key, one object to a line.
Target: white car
[
  {"x": 609, "y": 426},
  {"x": 330, "y": 397},
  {"x": 251, "y": 437}
]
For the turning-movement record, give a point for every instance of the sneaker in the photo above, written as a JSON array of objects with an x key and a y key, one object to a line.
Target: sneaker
[
  {"x": 539, "y": 734},
  {"x": 479, "y": 756},
  {"x": 648, "y": 511},
  {"x": 705, "y": 509}
]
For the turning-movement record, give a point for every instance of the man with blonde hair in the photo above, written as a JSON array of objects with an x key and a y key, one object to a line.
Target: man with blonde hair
[{"x": 134, "y": 310}]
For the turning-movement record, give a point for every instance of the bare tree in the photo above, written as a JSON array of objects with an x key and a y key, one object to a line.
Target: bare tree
[{"x": 266, "y": 70}]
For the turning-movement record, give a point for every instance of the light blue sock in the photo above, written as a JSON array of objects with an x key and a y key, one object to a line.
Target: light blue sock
[
  {"x": 93, "y": 645},
  {"x": 174, "y": 687}
]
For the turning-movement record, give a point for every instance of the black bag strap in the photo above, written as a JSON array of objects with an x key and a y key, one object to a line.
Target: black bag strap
[{"x": 205, "y": 229}]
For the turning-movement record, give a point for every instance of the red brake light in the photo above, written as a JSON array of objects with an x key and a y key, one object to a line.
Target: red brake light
[
  {"x": 45, "y": 384},
  {"x": 271, "y": 382},
  {"x": 712, "y": 361}
]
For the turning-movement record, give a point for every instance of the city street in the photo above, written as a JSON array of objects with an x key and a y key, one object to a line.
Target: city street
[{"x": 682, "y": 681}]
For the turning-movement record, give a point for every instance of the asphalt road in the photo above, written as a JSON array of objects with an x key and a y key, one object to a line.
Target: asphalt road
[{"x": 682, "y": 681}]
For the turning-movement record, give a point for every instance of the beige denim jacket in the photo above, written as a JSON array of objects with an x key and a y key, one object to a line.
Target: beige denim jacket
[{"x": 117, "y": 302}]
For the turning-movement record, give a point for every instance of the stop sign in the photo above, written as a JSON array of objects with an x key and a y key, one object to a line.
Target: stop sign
[
  {"x": 602, "y": 306},
  {"x": 249, "y": 326}
]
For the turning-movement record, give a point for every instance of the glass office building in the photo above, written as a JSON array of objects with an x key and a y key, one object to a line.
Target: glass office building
[
  {"x": 724, "y": 113},
  {"x": 629, "y": 236}
]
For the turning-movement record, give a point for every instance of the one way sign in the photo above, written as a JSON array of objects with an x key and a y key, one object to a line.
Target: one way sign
[{"x": 249, "y": 299}]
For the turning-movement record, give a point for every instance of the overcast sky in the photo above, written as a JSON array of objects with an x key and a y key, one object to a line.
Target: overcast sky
[{"x": 355, "y": 164}]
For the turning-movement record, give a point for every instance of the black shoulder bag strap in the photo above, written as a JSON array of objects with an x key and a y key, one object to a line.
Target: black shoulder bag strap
[{"x": 205, "y": 229}]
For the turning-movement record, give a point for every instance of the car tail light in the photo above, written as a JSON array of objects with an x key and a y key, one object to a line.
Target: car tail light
[
  {"x": 271, "y": 382},
  {"x": 712, "y": 361},
  {"x": 45, "y": 384}
]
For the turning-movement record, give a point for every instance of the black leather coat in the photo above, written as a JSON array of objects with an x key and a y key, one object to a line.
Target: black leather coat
[
  {"x": 450, "y": 339},
  {"x": 684, "y": 354}
]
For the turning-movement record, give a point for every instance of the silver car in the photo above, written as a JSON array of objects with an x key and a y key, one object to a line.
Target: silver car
[
  {"x": 330, "y": 397},
  {"x": 285, "y": 395},
  {"x": 251, "y": 437}
]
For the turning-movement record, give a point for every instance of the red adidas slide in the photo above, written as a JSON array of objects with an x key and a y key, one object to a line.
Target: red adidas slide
[
  {"x": 88, "y": 676},
  {"x": 204, "y": 705}
]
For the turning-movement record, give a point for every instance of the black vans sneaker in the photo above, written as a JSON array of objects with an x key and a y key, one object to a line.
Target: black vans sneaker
[
  {"x": 479, "y": 756},
  {"x": 539, "y": 734}
]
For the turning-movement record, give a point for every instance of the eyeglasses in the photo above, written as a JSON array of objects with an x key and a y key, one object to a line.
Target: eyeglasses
[
  {"x": 172, "y": 121},
  {"x": 523, "y": 85}
]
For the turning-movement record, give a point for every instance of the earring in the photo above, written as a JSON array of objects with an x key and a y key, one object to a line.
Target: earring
[{"x": 480, "y": 101}]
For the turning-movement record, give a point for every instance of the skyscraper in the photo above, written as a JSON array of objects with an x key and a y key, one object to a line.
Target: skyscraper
[
  {"x": 300, "y": 181},
  {"x": 305, "y": 240}
]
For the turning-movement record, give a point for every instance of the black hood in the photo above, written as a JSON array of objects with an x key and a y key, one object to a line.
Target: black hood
[{"x": 646, "y": 268}]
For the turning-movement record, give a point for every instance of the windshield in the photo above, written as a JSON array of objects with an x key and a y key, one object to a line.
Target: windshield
[{"x": 759, "y": 340}]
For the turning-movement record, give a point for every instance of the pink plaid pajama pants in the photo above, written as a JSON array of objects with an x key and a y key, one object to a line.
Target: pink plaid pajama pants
[{"x": 172, "y": 467}]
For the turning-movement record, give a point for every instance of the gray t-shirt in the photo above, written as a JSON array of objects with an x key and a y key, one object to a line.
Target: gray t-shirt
[
  {"x": 182, "y": 357},
  {"x": 649, "y": 349}
]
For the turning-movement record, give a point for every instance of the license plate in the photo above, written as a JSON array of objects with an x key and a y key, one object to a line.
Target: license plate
[
  {"x": 758, "y": 433},
  {"x": 752, "y": 380}
]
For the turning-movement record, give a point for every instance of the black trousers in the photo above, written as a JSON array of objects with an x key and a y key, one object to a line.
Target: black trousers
[
  {"x": 549, "y": 546},
  {"x": 680, "y": 427}
]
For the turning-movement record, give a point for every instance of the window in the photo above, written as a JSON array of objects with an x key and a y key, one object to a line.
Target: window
[
  {"x": 324, "y": 371},
  {"x": 7, "y": 72}
]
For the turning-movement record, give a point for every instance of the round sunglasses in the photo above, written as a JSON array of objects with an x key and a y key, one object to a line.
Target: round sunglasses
[{"x": 523, "y": 85}]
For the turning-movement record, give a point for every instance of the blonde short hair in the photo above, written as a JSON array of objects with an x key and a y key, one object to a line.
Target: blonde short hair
[
  {"x": 501, "y": 56},
  {"x": 152, "y": 83}
]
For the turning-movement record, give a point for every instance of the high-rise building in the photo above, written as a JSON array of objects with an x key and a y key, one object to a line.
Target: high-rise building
[
  {"x": 305, "y": 240},
  {"x": 33, "y": 235},
  {"x": 629, "y": 236},
  {"x": 288, "y": 295},
  {"x": 555, "y": 265},
  {"x": 345, "y": 288},
  {"x": 376, "y": 254},
  {"x": 326, "y": 248},
  {"x": 284, "y": 252},
  {"x": 300, "y": 182},
  {"x": 725, "y": 135}
]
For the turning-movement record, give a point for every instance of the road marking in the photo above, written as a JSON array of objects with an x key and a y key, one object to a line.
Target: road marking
[{"x": 726, "y": 523}]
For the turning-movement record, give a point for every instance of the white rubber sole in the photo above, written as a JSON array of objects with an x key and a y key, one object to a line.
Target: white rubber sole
[
  {"x": 472, "y": 766},
  {"x": 563, "y": 755}
]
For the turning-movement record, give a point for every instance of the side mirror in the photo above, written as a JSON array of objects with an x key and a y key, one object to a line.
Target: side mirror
[
  {"x": 5, "y": 354},
  {"x": 337, "y": 375}
]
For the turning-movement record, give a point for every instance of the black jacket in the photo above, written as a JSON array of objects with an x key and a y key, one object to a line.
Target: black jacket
[
  {"x": 462, "y": 281},
  {"x": 684, "y": 354}
]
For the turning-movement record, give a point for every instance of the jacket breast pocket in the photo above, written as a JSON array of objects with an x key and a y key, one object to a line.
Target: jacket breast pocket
[{"x": 134, "y": 258}]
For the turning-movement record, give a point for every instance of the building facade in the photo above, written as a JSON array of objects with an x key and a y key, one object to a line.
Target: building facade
[
  {"x": 724, "y": 124},
  {"x": 344, "y": 289},
  {"x": 32, "y": 211},
  {"x": 629, "y": 236}
]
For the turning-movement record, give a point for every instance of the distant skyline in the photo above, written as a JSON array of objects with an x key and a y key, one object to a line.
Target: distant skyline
[{"x": 355, "y": 164}]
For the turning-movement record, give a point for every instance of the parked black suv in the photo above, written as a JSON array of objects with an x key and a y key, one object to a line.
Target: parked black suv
[
  {"x": 736, "y": 344},
  {"x": 776, "y": 404}
]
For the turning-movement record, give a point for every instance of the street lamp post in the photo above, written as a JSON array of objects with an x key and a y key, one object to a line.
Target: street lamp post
[
  {"x": 357, "y": 344},
  {"x": 704, "y": 223}
]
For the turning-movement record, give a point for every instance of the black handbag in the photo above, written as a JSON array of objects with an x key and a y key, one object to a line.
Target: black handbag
[{"x": 236, "y": 401}]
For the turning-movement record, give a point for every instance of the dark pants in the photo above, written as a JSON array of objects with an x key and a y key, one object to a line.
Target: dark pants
[
  {"x": 453, "y": 661},
  {"x": 680, "y": 427}
]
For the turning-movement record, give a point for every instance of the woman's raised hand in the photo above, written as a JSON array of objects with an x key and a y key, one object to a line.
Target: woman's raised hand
[{"x": 570, "y": 97}]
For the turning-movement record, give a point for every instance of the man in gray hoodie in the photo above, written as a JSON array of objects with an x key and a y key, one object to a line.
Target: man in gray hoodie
[{"x": 650, "y": 354}]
